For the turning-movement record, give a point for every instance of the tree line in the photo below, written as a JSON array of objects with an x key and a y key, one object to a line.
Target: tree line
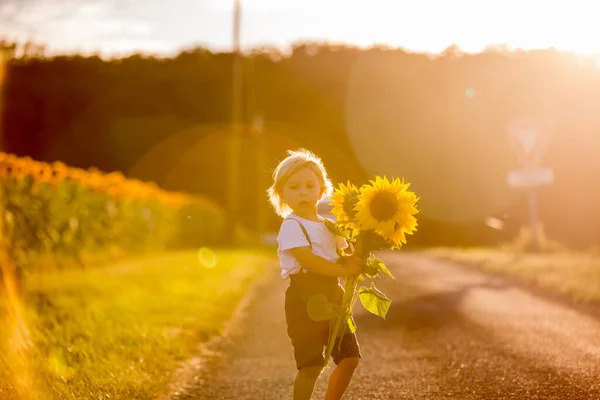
[{"x": 439, "y": 121}]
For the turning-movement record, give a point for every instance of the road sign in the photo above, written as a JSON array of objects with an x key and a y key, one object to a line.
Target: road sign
[
  {"x": 529, "y": 136},
  {"x": 531, "y": 177},
  {"x": 528, "y": 139}
]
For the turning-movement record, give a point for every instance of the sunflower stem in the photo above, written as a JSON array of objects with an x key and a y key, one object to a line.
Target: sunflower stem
[{"x": 350, "y": 284}]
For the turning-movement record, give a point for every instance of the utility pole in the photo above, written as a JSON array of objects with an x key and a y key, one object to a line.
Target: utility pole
[
  {"x": 236, "y": 124},
  {"x": 261, "y": 184}
]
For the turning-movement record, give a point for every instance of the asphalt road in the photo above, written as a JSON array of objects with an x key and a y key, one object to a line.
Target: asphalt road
[{"x": 451, "y": 333}]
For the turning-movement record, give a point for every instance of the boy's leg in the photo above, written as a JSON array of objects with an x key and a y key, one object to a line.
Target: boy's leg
[
  {"x": 305, "y": 382},
  {"x": 340, "y": 378},
  {"x": 346, "y": 355}
]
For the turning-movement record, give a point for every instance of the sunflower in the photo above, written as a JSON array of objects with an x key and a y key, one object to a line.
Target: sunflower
[
  {"x": 386, "y": 205},
  {"x": 398, "y": 236},
  {"x": 42, "y": 172},
  {"x": 6, "y": 169},
  {"x": 343, "y": 202},
  {"x": 60, "y": 173}
]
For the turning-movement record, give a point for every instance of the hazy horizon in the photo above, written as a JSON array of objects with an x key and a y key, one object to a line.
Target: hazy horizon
[{"x": 112, "y": 27}]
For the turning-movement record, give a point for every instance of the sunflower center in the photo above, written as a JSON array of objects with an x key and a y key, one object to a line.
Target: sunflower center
[{"x": 384, "y": 206}]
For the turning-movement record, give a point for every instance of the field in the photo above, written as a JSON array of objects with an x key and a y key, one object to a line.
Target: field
[
  {"x": 575, "y": 275},
  {"x": 119, "y": 332}
]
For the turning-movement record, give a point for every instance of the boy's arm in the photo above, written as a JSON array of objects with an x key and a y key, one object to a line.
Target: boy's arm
[{"x": 319, "y": 265}]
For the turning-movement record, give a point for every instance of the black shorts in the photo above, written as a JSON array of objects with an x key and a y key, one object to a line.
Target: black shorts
[{"x": 309, "y": 338}]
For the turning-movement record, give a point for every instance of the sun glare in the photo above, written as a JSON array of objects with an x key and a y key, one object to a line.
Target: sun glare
[
  {"x": 426, "y": 26},
  {"x": 435, "y": 25}
]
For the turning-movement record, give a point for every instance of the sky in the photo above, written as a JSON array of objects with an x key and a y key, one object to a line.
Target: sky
[{"x": 166, "y": 27}]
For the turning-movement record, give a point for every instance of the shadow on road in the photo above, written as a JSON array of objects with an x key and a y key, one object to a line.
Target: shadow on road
[
  {"x": 430, "y": 311},
  {"x": 427, "y": 332}
]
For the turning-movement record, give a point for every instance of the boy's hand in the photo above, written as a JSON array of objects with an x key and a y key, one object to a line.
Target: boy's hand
[{"x": 354, "y": 264}]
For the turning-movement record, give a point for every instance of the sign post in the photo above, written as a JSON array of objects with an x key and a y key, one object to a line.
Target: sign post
[
  {"x": 530, "y": 138},
  {"x": 234, "y": 144}
]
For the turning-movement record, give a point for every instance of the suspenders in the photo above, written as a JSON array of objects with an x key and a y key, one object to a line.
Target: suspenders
[
  {"x": 305, "y": 235},
  {"x": 303, "y": 231}
]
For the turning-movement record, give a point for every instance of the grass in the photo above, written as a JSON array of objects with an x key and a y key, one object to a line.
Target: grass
[
  {"x": 576, "y": 275},
  {"x": 120, "y": 332}
]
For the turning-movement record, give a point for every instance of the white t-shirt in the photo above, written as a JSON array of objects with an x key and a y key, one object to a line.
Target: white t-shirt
[{"x": 324, "y": 243}]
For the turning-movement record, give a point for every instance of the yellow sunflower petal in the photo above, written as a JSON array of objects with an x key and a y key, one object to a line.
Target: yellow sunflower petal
[
  {"x": 384, "y": 204},
  {"x": 342, "y": 201}
]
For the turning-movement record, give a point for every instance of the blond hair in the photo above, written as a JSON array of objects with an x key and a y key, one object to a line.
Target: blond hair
[{"x": 296, "y": 160}]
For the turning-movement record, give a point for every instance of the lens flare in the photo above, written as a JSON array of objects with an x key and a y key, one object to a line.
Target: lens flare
[{"x": 207, "y": 257}]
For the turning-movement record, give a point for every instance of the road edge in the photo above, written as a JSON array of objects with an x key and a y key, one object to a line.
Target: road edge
[
  {"x": 185, "y": 376},
  {"x": 591, "y": 309}
]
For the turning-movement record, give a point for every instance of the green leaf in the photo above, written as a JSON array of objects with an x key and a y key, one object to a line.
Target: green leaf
[
  {"x": 351, "y": 325},
  {"x": 320, "y": 309},
  {"x": 332, "y": 226},
  {"x": 374, "y": 266},
  {"x": 371, "y": 268},
  {"x": 374, "y": 301},
  {"x": 384, "y": 269},
  {"x": 337, "y": 229}
]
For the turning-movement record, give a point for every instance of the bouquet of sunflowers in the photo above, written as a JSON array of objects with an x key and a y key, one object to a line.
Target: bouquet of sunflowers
[{"x": 374, "y": 217}]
